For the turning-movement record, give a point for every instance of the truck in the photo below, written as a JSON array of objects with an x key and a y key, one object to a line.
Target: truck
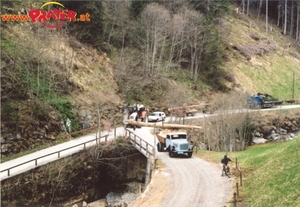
[
  {"x": 261, "y": 100},
  {"x": 183, "y": 111},
  {"x": 175, "y": 142}
]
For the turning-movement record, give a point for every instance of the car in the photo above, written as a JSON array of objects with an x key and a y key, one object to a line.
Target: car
[{"x": 156, "y": 116}]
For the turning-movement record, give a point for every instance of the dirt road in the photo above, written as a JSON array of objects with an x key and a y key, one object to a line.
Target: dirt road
[{"x": 184, "y": 182}]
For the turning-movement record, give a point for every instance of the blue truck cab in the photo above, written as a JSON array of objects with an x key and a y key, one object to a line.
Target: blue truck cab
[{"x": 263, "y": 101}]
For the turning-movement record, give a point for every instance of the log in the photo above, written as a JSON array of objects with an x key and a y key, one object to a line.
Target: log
[
  {"x": 161, "y": 125},
  {"x": 191, "y": 106}
]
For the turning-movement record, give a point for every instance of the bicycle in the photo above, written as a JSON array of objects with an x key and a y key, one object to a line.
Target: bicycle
[{"x": 226, "y": 171}]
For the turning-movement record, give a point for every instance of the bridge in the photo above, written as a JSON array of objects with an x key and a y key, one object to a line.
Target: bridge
[{"x": 42, "y": 157}]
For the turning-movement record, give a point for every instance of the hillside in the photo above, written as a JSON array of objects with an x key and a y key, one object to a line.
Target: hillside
[
  {"x": 260, "y": 60},
  {"x": 49, "y": 76}
]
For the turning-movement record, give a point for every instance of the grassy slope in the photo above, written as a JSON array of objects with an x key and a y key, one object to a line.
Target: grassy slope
[
  {"x": 269, "y": 73},
  {"x": 270, "y": 171}
]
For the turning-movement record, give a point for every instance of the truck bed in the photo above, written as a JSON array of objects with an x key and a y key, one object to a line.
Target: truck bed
[{"x": 161, "y": 136}]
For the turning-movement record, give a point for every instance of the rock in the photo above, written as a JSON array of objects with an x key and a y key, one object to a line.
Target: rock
[
  {"x": 4, "y": 149},
  {"x": 266, "y": 130},
  {"x": 51, "y": 137},
  {"x": 257, "y": 134},
  {"x": 283, "y": 131},
  {"x": 259, "y": 140},
  {"x": 98, "y": 203},
  {"x": 10, "y": 138},
  {"x": 2, "y": 140},
  {"x": 86, "y": 125},
  {"x": 275, "y": 136},
  {"x": 54, "y": 116},
  {"x": 84, "y": 113},
  {"x": 84, "y": 204},
  {"x": 18, "y": 136}
]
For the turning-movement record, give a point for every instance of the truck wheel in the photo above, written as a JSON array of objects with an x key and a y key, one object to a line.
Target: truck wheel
[
  {"x": 190, "y": 154},
  {"x": 171, "y": 154},
  {"x": 159, "y": 147}
]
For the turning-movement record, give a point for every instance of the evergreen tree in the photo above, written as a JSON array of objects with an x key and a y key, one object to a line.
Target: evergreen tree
[
  {"x": 88, "y": 31},
  {"x": 137, "y": 7}
]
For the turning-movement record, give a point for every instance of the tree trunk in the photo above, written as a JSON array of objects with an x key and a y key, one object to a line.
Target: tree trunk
[
  {"x": 267, "y": 9},
  {"x": 292, "y": 19},
  {"x": 278, "y": 18},
  {"x": 298, "y": 24},
  {"x": 248, "y": 8},
  {"x": 259, "y": 8},
  {"x": 285, "y": 17}
]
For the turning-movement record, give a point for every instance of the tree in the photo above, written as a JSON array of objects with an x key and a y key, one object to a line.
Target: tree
[
  {"x": 292, "y": 19},
  {"x": 155, "y": 20},
  {"x": 285, "y": 18},
  {"x": 176, "y": 35},
  {"x": 136, "y": 8},
  {"x": 196, "y": 38},
  {"x": 93, "y": 31}
]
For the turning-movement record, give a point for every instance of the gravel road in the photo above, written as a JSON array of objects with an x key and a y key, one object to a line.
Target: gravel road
[{"x": 184, "y": 182}]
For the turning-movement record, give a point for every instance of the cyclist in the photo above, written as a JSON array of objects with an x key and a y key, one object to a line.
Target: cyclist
[{"x": 225, "y": 161}]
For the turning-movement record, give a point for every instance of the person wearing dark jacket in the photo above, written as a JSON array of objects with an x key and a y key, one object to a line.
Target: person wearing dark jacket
[{"x": 225, "y": 161}]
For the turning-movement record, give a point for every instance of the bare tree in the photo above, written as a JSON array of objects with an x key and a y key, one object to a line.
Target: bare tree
[
  {"x": 176, "y": 32},
  {"x": 196, "y": 39},
  {"x": 155, "y": 20}
]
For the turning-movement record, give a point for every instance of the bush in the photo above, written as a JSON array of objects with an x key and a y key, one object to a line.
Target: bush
[{"x": 64, "y": 107}]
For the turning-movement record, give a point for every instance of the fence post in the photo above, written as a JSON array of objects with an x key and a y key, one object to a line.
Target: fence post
[
  {"x": 241, "y": 178},
  {"x": 237, "y": 190},
  {"x": 115, "y": 130},
  {"x": 58, "y": 154},
  {"x": 35, "y": 162},
  {"x": 236, "y": 163},
  {"x": 8, "y": 172},
  {"x": 234, "y": 199}
]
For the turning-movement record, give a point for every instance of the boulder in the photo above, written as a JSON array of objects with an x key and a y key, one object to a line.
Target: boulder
[{"x": 259, "y": 140}]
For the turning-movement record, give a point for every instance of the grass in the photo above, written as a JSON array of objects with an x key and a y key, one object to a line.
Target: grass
[{"x": 271, "y": 173}]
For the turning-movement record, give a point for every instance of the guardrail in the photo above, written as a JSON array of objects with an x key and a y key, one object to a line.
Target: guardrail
[
  {"x": 57, "y": 152},
  {"x": 144, "y": 147}
]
